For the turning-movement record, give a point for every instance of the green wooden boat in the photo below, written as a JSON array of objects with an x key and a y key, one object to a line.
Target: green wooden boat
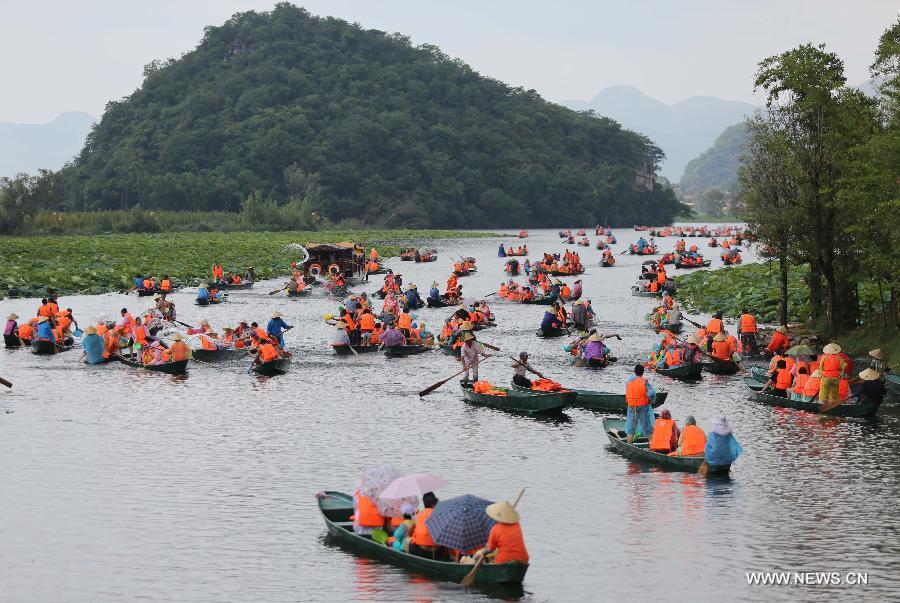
[
  {"x": 336, "y": 509},
  {"x": 551, "y": 333},
  {"x": 344, "y": 350},
  {"x": 754, "y": 383},
  {"x": 638, "y": 292},
  {"x": 851, "y": 408},
  {"x": 527, "y": 402},
  {"x": 685, "y": 371},
  {"x": 169, "y": 368},
  {"x": 224, "y": 355},
  {"x": 279, "y": 366},
  {"x": 721, "y": 367},
  {"x": 640, "y": 451},
  {"x": 760, "y": 374},
  {"x": 450, "y": 350},
  {"x": 893, "y": 382},
  {"x": 593, "y": 400},
  {"x": 539, "y": 301}
]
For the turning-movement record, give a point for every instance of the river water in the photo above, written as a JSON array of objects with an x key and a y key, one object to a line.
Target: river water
[{"x": 121, "y": 484}]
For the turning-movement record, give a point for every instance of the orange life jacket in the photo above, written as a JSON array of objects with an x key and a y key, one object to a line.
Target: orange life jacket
[
  {"x": 166, "y": 285},
  {"x": 367, "y": 514},
  {"x": 420, "y": 534},
  {"x": 721, "y": 350},
  {"x": 141, "y": 334},
  {"x": 811, "y": 388},
  {"x": 714, "y": 326},
  {"x": 830, "y": 365},
  {"x": 636, "y": 392},
  {"x": 376, "y": 335},
  {"x": 26, "y": 331},
  {"x": 148, "y": 284},
  {"x": 206, "y": 343},
  {"x": 693, "y": 441},
  {"x": 800, "y": 383},
  {"x": 843, "y": 389},
  {"x": 267, "y": 352},
  {"x": 404, "y": 321},
  {"x": 661, "y": 441},
  {"x": 179, "y": 351},
  {"x": 783, "y": 379},
  {"x": 46, "y": 310},
  {"x": 673, "y": 357},
  {"x": 367, "y": 322}
]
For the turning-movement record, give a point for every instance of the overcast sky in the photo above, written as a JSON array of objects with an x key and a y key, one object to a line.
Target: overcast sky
[{"x": 61, "y": 55}]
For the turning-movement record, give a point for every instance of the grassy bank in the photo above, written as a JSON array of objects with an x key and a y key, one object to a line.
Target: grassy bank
[
  {"x": 755, "y": 286},
  {"x": 98, "y": 264}
]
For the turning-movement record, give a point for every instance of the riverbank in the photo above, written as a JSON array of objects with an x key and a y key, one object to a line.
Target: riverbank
[
  {"x": 99, "y": 264},
  {"x": 756, "y": 286}
]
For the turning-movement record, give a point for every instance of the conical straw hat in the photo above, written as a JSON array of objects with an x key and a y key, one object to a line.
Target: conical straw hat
[{"x": 502, "y": 512}]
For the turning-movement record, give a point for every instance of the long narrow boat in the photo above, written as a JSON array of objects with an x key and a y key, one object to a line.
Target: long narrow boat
[
  {"x": 302, "y": 293},
  {"x": 721, "y": 367},
  {"x": 279, "y": 366},
  {"x": 12, "y": 341},
  {"x": 754, "y": 383},
  {"x": 606, "y": 264},
  {"x": 402, "y": 351},
  {"x": 552, "y": 332},
  {"x": 344, "y": 350},
  {"x": 850, "y": 408},
  {"x": 208, "y": 302},
  {"x": 336, "y": 509},
  {"x": 593, "y": 400},
  {"x": 759, "y": 374},
  {"x": 236, "y": 286},
  {"x": 638, "y": 292},
  {"x": 451, "y": 350},
  {"x": 704, "y": 264},
  {"x": 438, "y": 303},
  {"x": 685, "y": 371},
  {"x": 149, "y": 292},
  {"x": 538, "y": 301},
  {"x": 169, "y": 368},
  {"x": 893, "y": 382},
  {"x": 518, "y": 401},
  {"x": 640, "y": 450},
  {"x": 48, "y": 348},
  {"x": 223, "y": 355}
]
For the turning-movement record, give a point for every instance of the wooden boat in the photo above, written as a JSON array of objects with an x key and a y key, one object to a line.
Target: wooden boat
[
  {"x": 12, "y": 341},
  {"x": 481, "y": 326},
  {"x": 344, "y": 350},
  {"x": 208, "y": 302},
  {"x": 607, "y": 264},
  {"x": 149, "y": 292},
  {"x": 638, "y": 292},
  {"x": 557, "y": 332},
  {"x": 303, "y": 293},
  {"x": 754, "y": 383},
  {"x": 640, "y": 451},
  {"x": 451, "y": 350},
  {"x": 438, "y": 303},
  {"x": 704, "y": 264},
  {"x": 336, "y": 509},
  {"x": 223, "y": 355},
  {"x": 592, "y": 400},
  {"x": 169, "y": 368},
  {"x": 721, "y": 367},
  {"x": 48, "y": 348},
  {"x": 675, "y": 327},
  {"x": 527, "y": 402},
  {"x": 564, "y": 274},
  {"x": 237, "y": 287},
  {"x": 279, "y": 366},
  {"x": 633, "y": 250},
  {"x": 402, "y": 351},
  {"x": 760, "y": 374},
  {"x": 851, "y": 408},
  {"x": 538, "y": 301},
  {"x": 685, "y": 371},
  {"x": 893, "y": 382}
]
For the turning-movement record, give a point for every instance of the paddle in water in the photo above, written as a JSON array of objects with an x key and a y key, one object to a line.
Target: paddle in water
[
  {"x": 4, "y": 382},
  {"x": 430, "y": 389},
  {"x": 469, "y": 580}
]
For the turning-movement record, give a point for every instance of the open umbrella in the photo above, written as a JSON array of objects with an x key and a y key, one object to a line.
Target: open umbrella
[
  {"x": 374, "y": 481},
  {"x": 801, "y": 350},
  {"x": 414, "y": 484},
  {"x": 460, "y": 523}
]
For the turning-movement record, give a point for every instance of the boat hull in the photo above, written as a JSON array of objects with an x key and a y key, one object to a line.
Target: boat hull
[
  {"x": 615, "y": 433},
  {"x": 344, "y": 350},
  {"x": 272, "y": 368},
  {"x": 721, "y": 367},
  {"x": 336, "y": 509},
  {"x": 850, "y": 409},
  {"x": 219, "y": 355},
  {"x": 519, "y": 401},
  {"x": 686, "y": 371},
  {"x": 168, "y": 368}
]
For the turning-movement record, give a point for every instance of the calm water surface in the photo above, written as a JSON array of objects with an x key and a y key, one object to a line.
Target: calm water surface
[{"x": 119, "y": 484}]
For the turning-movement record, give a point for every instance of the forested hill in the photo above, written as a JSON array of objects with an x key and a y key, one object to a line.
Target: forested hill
[
  {"x": 359, "y": 124},
  {"x": 717, "y": 167}
]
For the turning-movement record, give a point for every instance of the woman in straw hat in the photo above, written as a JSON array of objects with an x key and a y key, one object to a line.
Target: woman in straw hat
[
  {"x": 832, "y": 366},
  {"x": 93, "y": 346},
  {"x": 11, "y": 332},
  {"x": 879, "y": 362},
  {"x": 871, "y": 390},
  {"x": 276, "y": 327},
  {"x": 505, "y": 542}
]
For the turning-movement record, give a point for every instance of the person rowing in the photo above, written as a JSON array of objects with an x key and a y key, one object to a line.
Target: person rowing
[{"x": 519, "y": 371}]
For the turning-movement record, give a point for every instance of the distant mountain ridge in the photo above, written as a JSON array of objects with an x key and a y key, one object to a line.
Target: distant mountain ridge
[
  {"x": 30, "y": 147},
  {"x": 682, "y": 130}
]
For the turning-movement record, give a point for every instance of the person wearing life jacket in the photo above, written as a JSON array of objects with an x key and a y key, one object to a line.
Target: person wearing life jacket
[
  {"x": 266, "y": 351},
  {"x": 366, "y": 326},
  {"x": 811, "y": 387},
  {"x": 747, "y": 330},
  {"x": 800, "y": 379},
  {"x": 179, "y": 350},
  {"x": 779, "y": 342},
  {"x": 148, "y": 284},
  {"x": 639, "y": 394},
  {"x": 673, "y": 357},
  {"x": 366, "y": 516},
  {"x": 217, "y": 272},
  {"x": 421, "y": 543},
  {"x": 692, "y": 441},
  {"x": 46, "y": 310},
  {"x": 665, "y": 434},
  {"x": 373, "y": 254},
  {"x": 235, "y": 279},
  {"x": 276, "y": 327},
  {"x": 715, "y": 326},
  {"x": 140, "y": 334},
  {"x": 720, "y": 348},
  {"x": 780, "y": 380},
  {"x": 832, "y": 367},
  {"x": 505, "y": 541},
  {"x": 165, "y": 285}
]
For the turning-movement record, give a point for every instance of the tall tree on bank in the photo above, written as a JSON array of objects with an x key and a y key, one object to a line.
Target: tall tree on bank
[{"x": 819, "y": 119}]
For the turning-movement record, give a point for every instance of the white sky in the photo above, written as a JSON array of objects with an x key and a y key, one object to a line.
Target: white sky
[{"x": 61, "y": 55}]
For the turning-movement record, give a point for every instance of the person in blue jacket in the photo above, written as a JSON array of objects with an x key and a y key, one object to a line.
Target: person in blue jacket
[
  {"x": 501, "y": 253},
  {"x": 721, "y": 446},
  {"x": 203, "y": 292},
  {"x": 93, "y": 346},
  {"x": 276, "y": 328},
  {"x": 45, "y": 330}
]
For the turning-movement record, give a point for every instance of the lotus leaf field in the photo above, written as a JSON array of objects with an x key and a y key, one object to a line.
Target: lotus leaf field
[
  {"x": 753, "y": 286},
  {"x": 100, "y": 264}
]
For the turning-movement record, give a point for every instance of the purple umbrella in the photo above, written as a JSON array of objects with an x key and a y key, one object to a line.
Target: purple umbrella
[{"x": 460, "y": 523}]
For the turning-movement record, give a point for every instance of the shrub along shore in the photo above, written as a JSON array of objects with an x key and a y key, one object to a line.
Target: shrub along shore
[
  {"x": 756, "y": 286},
  {"x": 103, "y": 263}
]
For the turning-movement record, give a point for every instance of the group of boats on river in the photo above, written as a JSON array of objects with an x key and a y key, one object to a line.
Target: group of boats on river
[{"x": 382, "y": 518}]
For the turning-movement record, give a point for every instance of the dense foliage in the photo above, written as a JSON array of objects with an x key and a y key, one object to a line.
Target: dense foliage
[
  {"x": 98, "y": 264},
  {"x": 358, "y": 125},
  {"x": 717, "y": 167},
  {"x": 819, "y": 185}
]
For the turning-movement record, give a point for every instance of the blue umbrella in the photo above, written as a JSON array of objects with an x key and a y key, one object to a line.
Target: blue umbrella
[{"x": 460, "y": 523}]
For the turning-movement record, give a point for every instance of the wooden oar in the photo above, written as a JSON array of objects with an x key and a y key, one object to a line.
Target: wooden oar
[
  {"x": 183, "y": 324},
  {"x": 5, "y": 382},
  {"x": 278, "y": 290},
  {"x": 696, "y": 324},
  {"x": 527, "y": 368},
  {"x": 470, "y": 577},
  {"x": 430, "y": 389}
]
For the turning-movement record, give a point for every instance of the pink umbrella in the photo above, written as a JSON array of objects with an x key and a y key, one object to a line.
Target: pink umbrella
[{"x": 414, "y": 484}]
